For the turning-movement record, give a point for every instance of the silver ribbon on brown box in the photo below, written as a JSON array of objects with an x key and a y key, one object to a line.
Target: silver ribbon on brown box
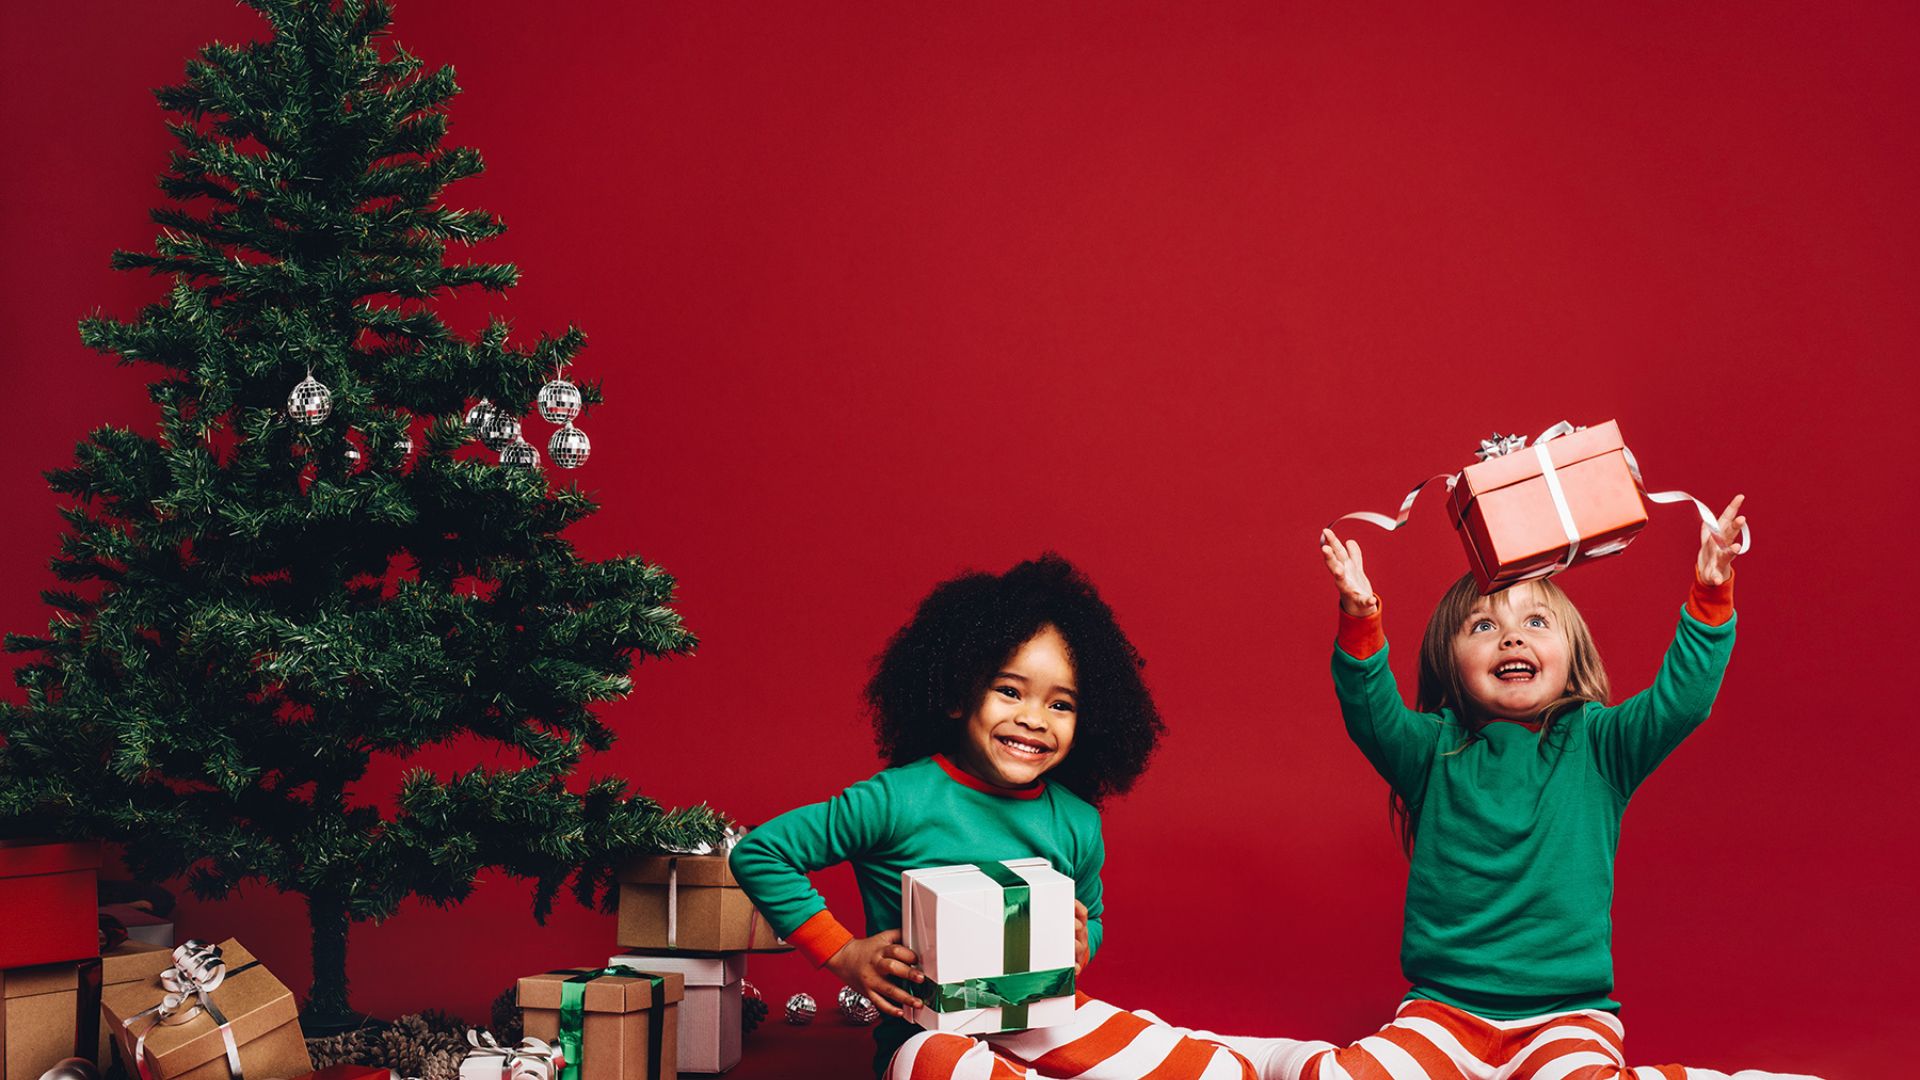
[
  {"x": 533, "y": 1059},
  {"x": 725, "y": 846},
  {"x": 197, "y": 971}
]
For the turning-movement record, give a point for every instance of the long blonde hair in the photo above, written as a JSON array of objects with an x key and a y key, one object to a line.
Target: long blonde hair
[{"x": 1440, "y": 686}]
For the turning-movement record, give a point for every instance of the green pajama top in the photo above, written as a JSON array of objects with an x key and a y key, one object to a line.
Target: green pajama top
[
  {"x": 928, "y": 813},
  {"x": 1510, "y": 892}
]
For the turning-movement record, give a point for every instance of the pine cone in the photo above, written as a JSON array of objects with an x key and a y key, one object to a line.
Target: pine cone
[
  {"x": 752, "y": 1011},
  {"x": 505, "y": 1015}
]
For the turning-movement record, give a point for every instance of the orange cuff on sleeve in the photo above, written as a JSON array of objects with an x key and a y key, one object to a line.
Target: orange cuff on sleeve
[
  {"x": 1711, "y": 604},
  {"x": 820, "y": 937},
  {"x": 1361, "y": 636}
]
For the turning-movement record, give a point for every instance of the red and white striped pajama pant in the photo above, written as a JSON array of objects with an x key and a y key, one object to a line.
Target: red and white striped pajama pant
[
  {"x": 1101, "y": 1042},
  {"x": 1431, "y": 1041}
]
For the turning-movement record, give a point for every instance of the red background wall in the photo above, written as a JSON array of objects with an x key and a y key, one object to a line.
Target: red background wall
[{"x": 880, "y": 292}]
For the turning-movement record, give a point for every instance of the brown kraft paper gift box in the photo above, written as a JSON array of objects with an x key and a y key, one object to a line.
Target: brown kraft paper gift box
[
  {"x": 41, "y": 1014},
  {"x": 712, "y": 913},
  {"x": 259, "y": 1008},
  {"x": 616, "y": 1036},
  {"x": 127, "y": 962},
  {"x": 1508, "y": 522}
]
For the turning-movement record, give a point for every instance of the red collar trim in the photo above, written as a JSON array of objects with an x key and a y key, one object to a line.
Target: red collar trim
[
  {"x": 967, "y": 779},
  {"x": 1534, "y": 726}
]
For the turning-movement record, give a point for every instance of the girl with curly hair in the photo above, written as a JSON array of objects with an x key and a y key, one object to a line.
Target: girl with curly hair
[{"x": 1009, "y": 708}]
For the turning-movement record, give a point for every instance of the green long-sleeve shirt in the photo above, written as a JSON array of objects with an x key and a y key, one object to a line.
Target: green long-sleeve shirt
[
  {"x": 1510, "y": 892},
  {"x": 928, "y": 813}
]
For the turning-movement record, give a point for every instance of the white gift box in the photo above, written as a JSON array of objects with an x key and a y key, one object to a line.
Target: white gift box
[
  {"x": 710, "y": 1013},
  {"x": 955, "y": 919}
]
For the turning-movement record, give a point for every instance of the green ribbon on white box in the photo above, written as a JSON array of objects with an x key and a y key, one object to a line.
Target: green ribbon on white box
[{"x": 1018, "y": 985}]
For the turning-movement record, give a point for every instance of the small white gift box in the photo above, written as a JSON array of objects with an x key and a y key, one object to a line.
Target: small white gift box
[
  {"x": 710, "y": 1013},
  {"x": 995, "y": 941}
]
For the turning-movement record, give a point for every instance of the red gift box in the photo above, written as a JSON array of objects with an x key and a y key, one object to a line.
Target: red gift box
[
  {"x": 1526, "y": 511},
  {"x": 47, "y": 900},
  {"x": 1536, "y": 510}
]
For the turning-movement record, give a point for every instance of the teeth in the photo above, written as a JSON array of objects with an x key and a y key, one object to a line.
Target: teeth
[{"x": 1018, "y": 746}]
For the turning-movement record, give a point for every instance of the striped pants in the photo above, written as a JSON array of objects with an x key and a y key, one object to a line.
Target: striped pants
[
  {"x": 1101, "y": 1042},
  {"x": 1431, "y": 1041}
]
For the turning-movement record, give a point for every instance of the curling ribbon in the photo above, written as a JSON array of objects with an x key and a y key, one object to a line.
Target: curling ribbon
[
  {"x": 533, "y": 1059},
  {"x": 1499, "y": 445},
  {"x": 196, "y": 973}
]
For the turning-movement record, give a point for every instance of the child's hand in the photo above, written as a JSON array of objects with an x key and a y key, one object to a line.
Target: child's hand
[
  {"x": 870, "y": 965},
  {"x": 1079, "y": 936},
  {"x": 1349, "y": 574},
  {"x": 1715, "y": 564}
]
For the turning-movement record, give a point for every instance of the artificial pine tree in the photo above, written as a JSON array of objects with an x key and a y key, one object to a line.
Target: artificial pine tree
[{"x": 261, "y": 602}]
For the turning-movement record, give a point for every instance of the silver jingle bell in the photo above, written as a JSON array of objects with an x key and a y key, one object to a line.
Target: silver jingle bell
[
  {"x": 855, "y": 1008},
  {"x": 800, "y": 1010},
  {"x": 559, "y": 402},
  {"x": 310, "y": 403},
  {"x": 569, "y": 447},
  {"x": 520, "y": 454}
]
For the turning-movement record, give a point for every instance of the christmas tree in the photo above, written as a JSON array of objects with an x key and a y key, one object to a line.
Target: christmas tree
[{"x": 276, "y": 588}]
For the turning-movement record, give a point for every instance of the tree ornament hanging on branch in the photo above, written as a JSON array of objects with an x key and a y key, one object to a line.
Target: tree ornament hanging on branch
[
  {"x": 569, "y": 447},
  {"x": 559, "y": 401},
  {"x": 478, "y": 416},
  {"x": 500, "y": 430},
  {"x": 310, "y": 403},
  {"x": 519, "y": 454}
]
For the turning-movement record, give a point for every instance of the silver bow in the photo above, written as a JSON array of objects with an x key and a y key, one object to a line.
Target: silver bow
[
  {"x": 533, "y": 1059},
  {"x": 1498, "y": 445},
  {"x": 198, "y": 970}
]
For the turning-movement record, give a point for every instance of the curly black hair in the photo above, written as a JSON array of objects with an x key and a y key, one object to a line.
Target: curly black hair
[{"x": 965, "y": 631}]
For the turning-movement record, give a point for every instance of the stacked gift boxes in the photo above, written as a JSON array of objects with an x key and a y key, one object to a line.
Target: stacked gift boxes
[
  {"x": 50, "y": 965},
  {"x": 687, "y": 915}
]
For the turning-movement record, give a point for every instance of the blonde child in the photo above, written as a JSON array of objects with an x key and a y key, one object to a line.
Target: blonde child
[{"x": 1509, "y": 780}]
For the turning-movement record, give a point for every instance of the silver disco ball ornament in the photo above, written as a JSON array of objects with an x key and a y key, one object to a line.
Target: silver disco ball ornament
[
  {"x": 559, "y": 402},
  {"x": 855, "y": 1008},
  {"x": 569, "y": 447},
  {"x": 72, "y": 1068},
  {"x": 310, "y": 403},
  {"x": 501, "y": 430},
  {"x": 478, "y": 416},
  {"x": 800, "y": 1010},
  {"x": 520, "y": 454}
]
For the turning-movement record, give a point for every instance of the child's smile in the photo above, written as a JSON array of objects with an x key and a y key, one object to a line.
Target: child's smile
[
  {"x": 1023, "y": 725},
  {"x": 1511, "y": 655}
]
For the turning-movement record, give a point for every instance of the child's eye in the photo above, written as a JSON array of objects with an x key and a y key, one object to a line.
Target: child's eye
[
  {"x": 1481, "y": 624},
  {"x": 1008, "y": 692},
  {"x": 1063, "y": 706},
  {"x": 1539, "y": 621}
]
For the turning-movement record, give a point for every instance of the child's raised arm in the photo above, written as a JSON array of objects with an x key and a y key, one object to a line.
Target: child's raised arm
[
  {"x": 1632, "y": 738},
  {"x": 1349, "y": 575},
  {"x": 1398, "y": 741}
]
